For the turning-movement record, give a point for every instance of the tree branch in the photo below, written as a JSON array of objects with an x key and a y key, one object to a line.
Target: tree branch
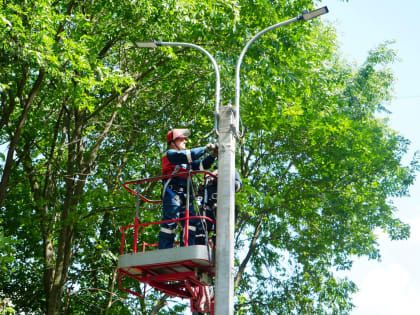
[
  {"x": 251, "y": 250},
  {"x": 15, "y": 139},
  {"x": 159, "y": 305},
  {"x": 70, "y": 8}
]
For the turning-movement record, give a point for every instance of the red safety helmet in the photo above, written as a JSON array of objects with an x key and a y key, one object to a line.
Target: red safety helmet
[{"x": 174, "y": 134}]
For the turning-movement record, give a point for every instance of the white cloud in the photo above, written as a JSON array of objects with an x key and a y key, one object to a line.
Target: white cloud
[
  {"x": 415, "y": 232},
  {"x": 388, "y": 290},
  {"x": 391, "y": 286}
]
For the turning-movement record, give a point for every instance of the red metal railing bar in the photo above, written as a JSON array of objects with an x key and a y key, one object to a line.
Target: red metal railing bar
[
  {"x": 136, "y": 226},
  {"x": 148, "y": 275},
  {"x": 136, "y": 231},
  {"x": 145, "y": 180}
]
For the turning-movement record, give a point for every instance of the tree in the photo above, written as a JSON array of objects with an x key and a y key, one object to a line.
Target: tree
[
  {"x": 321, "y": 168},
  {"x": 92, "y": 94},
  {"x": 83, "y": 110}
]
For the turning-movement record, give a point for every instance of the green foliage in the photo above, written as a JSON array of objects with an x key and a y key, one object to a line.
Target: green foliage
[
  {"x": 318, "y": 165},
  {"x": 6, "y": 255},
  {"x": 6, "y": 306},
  {"x": 324, "y": 166}
]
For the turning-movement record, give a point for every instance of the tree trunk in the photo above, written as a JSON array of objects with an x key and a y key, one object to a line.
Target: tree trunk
[
  {"x": 15, "y": 139},
  {"x": 78, "y": 169},
  {"x": 111, "y": 288},
  {"x": 251, "y": 249}
]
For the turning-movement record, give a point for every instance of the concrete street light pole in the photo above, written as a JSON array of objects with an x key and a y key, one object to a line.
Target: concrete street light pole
[{"x": 229, "y": 128}]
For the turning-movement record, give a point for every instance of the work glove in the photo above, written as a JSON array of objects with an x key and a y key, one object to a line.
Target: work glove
[
  {"x": 215, "y": 152},
  {"x": 213, "y": 149},
  {"x": 210, "y": 147}
]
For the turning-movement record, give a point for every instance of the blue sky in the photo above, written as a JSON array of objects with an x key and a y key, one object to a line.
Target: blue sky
[{"x": 391, "y": 286}]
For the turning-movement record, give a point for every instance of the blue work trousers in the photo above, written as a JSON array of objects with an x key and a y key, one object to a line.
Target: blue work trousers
[{"x": 174, "y": 206}]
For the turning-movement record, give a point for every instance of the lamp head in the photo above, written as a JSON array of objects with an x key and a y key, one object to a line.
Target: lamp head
[
  {"x": 151, "y": 44},
  {"x": 306, "y": 16}
]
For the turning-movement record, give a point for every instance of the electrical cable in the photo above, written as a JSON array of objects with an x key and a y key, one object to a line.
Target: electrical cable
[{"x": 203, "y": 223}]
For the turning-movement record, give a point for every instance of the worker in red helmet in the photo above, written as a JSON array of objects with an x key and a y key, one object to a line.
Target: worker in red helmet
[{"x": 178, "y": 160}]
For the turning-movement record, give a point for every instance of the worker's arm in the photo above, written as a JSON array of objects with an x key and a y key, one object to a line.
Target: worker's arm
[{"x": 191, "y": 157}]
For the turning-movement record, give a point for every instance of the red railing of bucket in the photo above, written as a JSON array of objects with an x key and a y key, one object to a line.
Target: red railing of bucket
[{"x": 136, "y": 226}]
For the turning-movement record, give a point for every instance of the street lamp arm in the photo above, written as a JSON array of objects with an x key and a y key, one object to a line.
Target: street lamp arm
[
  {"x": 155, "y": 44},
  {"x": 241, "y": 56},
  {"x": 305, "y": 16},
  {"x": 216, "y": 69}
]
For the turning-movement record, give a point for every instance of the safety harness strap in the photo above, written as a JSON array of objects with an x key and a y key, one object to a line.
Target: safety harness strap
[
  {"x": 165, "y": 186},
  {"x": 188, "y": 153}
]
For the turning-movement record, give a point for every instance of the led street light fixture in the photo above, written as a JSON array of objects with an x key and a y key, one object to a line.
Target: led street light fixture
[
  {"x": 151, "y": 44},
  {"x": 306, "y": 16}
]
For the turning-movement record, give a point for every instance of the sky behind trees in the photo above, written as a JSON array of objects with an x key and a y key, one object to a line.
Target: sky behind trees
[{"x": 391, "y": 286}]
